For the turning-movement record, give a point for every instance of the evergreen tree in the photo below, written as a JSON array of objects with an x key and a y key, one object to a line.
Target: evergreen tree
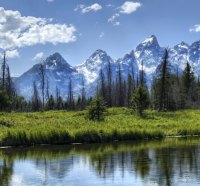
[
  {"x": 120, "y": 91},
  {"x": 70, "y": 98},
  {"x": 96, "y": 109},
  {"x": 109, "y": 85},
  {"x": 47, "y": 89},
  {"x": 4, "y": 100},
  {"x": 59, "y": 100},
  {"x": 35, "y": 98},
  {"x": 163, "y": 91},
  {"x": 102, "y": 85},
  {"x": 162, "y": 84},
  {"x": 130, "y": 89},
  {"x": 3, "y": 71},
  {"x": 140, "y": 100},
  {"x": 51, "y": 103},
  {"x": 188, "y": 81},
  {"x": 83, "y": 96},
  {"x": 42, "y": 75}
]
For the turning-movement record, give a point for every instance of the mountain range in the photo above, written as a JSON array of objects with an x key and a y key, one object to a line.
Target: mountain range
[{"x": 149, "y": 53}]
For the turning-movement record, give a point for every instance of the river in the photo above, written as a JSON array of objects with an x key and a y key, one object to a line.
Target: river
[{"x": 150, "y": 163}]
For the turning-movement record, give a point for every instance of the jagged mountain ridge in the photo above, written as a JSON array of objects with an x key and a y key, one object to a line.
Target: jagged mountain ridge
[{"x": 149, "y": 52}]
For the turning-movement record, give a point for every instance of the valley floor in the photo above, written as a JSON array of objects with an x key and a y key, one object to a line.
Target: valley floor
[{"x": 62, "y": 127}]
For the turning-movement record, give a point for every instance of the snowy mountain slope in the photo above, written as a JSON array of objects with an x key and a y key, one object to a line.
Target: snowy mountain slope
[
  {"x": 90, "y": 69},
  {"x": 149, "y": 53},
  {"x": 194, "y": 57},
  {"x": 58, "y": 72}
]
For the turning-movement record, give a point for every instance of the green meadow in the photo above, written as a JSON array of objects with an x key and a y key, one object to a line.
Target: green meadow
[{"x": 62, "y": 127}]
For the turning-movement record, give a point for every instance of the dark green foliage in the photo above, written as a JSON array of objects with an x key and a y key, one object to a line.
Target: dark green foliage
[
  {"x": 51, "y": 103},
  {"x": 36, "y": 102},
  {"x": 187, "y": 79},
  {"x": 162, "y": 87},
  {"x": 188, "y": 88},
  {"x": 70, "y": 105},
  {"x": 130, "y": 90},
  {"x": 140, "y": 100},
  {"x": 4, "y": 100},
  {"x": 96, "y": 109}
]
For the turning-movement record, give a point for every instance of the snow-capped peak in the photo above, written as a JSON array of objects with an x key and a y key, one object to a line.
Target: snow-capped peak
[
  {"x": 150, "y": 40},
  {"x": 55, "y": 61},
  {"x": 98, "y": 58},
  {"x": 182, "y": 45},
  {"x": 148, "y": 54}
]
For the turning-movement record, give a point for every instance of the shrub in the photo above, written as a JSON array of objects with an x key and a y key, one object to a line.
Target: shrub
[{"x": 96, "y": 109}]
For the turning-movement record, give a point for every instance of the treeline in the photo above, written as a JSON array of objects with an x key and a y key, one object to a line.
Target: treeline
[
  {"x": 9, "y": 100},
  {"x": 169, "y": 91},
  {"x": 41, "y": 99}
]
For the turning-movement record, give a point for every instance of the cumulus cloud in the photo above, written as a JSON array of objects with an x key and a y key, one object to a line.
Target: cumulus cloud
[
  {"x": 38, "y": 56},
  {"x": 195, "y": 28},
  {"x": 85, "y": 9},
  {"x": 129, "y": 7},
  {"x": 11, "y": 54},
  {"x": 20, "y": 31}
]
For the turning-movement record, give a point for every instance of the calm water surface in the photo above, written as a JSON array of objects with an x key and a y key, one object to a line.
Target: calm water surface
[{"x": 168, "y": 162}]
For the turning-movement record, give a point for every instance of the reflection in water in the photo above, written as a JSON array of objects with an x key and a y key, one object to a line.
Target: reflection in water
[
  {"x": 6, "y": 171},
  {"x": 168, "y": 162}
]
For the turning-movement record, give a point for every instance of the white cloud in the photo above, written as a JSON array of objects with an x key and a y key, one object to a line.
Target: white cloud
[
  {"x": 113, "y": 18},
  {"x": 102, "y": 34},
  {"x": 20, "y": 31},
  {"x": 85, "y": 9},
  {"x": 11, "y": 54},
  {"x": 195, "y": 28},
  {"x": 129, "y": 7},
  {"x": 50, "y": 1},
  {"x": 38, "y": 56}
]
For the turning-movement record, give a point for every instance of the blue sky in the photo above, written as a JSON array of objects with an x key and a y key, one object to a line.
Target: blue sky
[{"x": 76, "y": 28}]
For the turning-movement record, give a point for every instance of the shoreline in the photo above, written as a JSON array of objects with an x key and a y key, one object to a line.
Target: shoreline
[{"x": 103, "y": 143}]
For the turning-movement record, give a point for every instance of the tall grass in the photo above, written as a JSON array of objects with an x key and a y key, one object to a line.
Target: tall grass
[{"x": 61, "y": 127}]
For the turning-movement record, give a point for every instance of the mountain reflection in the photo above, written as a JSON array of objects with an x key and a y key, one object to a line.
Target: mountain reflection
[{"x": 168, "y": 162}]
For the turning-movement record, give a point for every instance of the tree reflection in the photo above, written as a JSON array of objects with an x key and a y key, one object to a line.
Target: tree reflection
[
  {"x": 161, "y": 163},
  {"x": 6, "y": 171}
]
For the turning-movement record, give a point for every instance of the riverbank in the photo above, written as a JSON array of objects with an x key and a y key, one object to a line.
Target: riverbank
[{"x": 61, "y": 127}]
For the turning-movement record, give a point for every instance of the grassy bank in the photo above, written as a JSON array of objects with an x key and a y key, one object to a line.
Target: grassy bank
[{"x": 72, "y": 127}]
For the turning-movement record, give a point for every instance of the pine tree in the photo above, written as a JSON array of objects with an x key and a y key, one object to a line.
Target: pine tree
[
  {"x": 59, "y": 100},
  {"x": 51, "y": 103},
  {"x": 47, "y": 89},
  {"x": 96, "y": 109},
  {"x": 163, "y": 83},
  {"x": 4, "y": 100},
  {"x": 187, "y": 84},
  {"x": 42, "y": 75},
  {"x": 70, "y": 98},
  {"x": 120, "y": 91},
  {"x": 83, "y": 96},
  {"x": 3, "y": 69},
  {"x": 8, "y": 83},
  {"x": 109, "y": 85},
  {"x": 130, "y": 89},
  {"x": 35, "y": 98},
  {"x": 140, "y": 100},
  {"x": 102, "y": 85}
]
